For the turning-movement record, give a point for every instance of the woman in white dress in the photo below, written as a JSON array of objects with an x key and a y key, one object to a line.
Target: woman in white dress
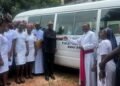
[
  {"x": 20, "y": 51},
  {"x": 32, "y": 48},
  {"x": 104, "y": 48},
  {"x": 4, "y": 65},
  {"x": 10, "y": 34}
]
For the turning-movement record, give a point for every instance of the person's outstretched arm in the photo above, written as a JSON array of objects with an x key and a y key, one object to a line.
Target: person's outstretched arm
[{"x": 109, "y": 57}]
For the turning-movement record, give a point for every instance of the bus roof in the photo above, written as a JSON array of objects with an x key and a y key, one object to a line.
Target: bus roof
[{"x": 75, "y": 7}]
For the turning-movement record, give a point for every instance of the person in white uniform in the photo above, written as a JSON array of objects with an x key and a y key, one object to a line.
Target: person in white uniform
[
  {"x": 21, "y": 51},
  {"x": 4, "y": 65},
  {"x": 88, "y": 43},
  {"x": 104, "y": 48},
  {"x": 10, "y": 34},
  {"x": 38, "y": 67},
  {"x": 32, "y": 48}
]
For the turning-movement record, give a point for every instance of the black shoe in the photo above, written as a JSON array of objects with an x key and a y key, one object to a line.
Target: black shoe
[
  {"x": 1, "y": 84},
  {"x": 8, "y": 83},
  {"x": 52, "y": 77},
  {"x": 46, "y": 78}
]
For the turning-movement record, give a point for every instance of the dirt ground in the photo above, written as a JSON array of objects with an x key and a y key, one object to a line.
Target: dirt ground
[{"x": 63, "y": 78}]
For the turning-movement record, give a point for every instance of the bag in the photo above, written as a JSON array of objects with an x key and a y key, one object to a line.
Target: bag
[{"x": 38, "y": 44}]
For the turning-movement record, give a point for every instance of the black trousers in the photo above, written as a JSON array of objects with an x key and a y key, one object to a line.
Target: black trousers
[
  {"x": 117, "y": 73},
  {"x": 49, "y": 63}
]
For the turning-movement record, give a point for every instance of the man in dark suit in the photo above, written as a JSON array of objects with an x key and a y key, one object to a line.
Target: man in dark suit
[{"x": 49, "y": 48}]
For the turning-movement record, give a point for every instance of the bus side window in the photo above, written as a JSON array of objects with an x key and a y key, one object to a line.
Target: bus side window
[
  {"x": 71, "y": 23},
  {"x": 34, "y": 19},
  {"x": 45, "y": 19},
  {"x": 60, "y": 30},
  {"x": 81, "y": 18},
  {"x": 110, "y": 18},
  {"x": 64, "y": 25}
]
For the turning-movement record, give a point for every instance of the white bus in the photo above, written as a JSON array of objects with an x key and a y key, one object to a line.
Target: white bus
[{"x": 68, "y": 21}]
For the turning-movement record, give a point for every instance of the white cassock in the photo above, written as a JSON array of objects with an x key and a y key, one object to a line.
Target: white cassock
[
  {"x": 10, "y": 35},
  {"x": 20, "y": 59},
  {"x": 4, "y": 53},
  {"x": 38, "y": 67},
  {"x": 105, "y": 48},
  {"x": 88, "y": 41},
  {"x": 31, "y": 40}
]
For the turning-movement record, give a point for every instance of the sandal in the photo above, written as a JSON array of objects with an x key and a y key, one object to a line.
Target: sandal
[
  {"x": 22, "y": 81},
  {"x": 17, "y": 81},
  {"x": 26, "y": 77},
  {"x": 31, "y": 77}
]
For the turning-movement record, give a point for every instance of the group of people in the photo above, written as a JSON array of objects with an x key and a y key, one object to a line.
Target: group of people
[
  {"x": 33, "y": 50},
  {"x": 98, "y": 63},
  {"x": 26, "y": 46}
]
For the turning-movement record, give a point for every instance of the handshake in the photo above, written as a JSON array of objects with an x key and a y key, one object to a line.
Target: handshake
[
  {"x": 65, "y": 38},
  {"x": 62, "y": 38}
]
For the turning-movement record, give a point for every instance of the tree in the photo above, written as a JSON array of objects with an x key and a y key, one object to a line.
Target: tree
[
  {"x": 16, "y": 6},
  {"x": 6, "y": 6}
]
